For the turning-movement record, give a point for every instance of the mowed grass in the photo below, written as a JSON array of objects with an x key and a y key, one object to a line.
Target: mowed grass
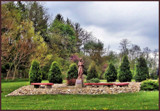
[{"x": 126, "y": 101}]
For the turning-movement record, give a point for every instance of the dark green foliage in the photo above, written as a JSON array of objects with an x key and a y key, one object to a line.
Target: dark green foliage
[
  {"x": 93, "y": 80},
  {"x": 92, "y": 71},
  {"x": 45, "y": 70},
  {"x": 54, "y": 75},
  {"x": 142, "y": 72},
  {"x": 149, "y": 85},
  {"x": 35, "y": 75},
  {"x": 111, "y": 73},
  {"x": 125, "y": 74},
  {"x": 72, "y": 72}
]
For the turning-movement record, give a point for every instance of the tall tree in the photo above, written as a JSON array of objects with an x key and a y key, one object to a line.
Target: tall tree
[
  {"x": 39, "y": 17},
  {"x": 81, "y": 36},
  {"x": 62, "y": 35},
  {"x": 95, "y": 49},
  {"x": 124, "y": 47},
  {"x": 146, "y": 52},
  {"x": 16, "y": 36}
]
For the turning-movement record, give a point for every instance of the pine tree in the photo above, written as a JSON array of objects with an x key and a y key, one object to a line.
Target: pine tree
[
  {"x": 55, "y": 75},
  {"x": 142, "y": 71},
  {"x": 125, "y": 74},
  {"x": 92, "y": 71},
  {"x": 35, "y": 75},
  {"x": 72, "y": 72},
  {"x": 111, "y": 73}
]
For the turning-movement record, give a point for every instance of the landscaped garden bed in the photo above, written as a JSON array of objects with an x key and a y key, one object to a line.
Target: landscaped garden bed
[{"x": 64, "y": 89}]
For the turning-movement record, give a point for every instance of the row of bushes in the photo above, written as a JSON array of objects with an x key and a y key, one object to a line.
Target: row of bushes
[
  {"x": 35, "y": 73},
  {"x": 54, "y": 74},
  {"x": 124, "y": 74}
]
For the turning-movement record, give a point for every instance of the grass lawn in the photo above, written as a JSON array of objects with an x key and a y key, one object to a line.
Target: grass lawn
[{"x": 141, "y": 100}]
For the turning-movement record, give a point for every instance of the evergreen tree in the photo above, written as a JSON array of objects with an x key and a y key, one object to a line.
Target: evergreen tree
[
  {"x": 92, "y": 71},
  {"x": 111, "y": 73},
  {"x": 125, "y": 74},
  {"x": 35, "y": 75},
  {"x": 142, "y": 71},
  {"x": 72, "y": 72},
  {"x": 55, "y": 75}
]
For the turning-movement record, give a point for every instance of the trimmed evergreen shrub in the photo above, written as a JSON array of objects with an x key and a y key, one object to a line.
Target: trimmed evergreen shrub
[
  {"x": 72, "y": 72},
  {"x": 35, "y": 75},
  {"x": 92, "y": 71},
  {"x": 55, "y": 75},
  {"x": 111, "y": 73},
  {"x": 149, "y": 85},
  {"x": 125, "y": 74},
  {"x": 142, "y": 71},
  {"x": 93, "y": 80}
]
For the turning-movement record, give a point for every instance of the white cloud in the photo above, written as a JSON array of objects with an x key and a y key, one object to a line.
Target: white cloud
[
  {"x": 113, "y": 21},
  {"x": 113, "y": 39}
]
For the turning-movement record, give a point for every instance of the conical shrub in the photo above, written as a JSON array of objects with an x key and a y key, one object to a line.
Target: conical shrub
[
  {"x": 35, "y": 75},
  {"x": 125, "y": 74},
  {"x": 55, "y": 75},
  {"x": 111, "y": 73},
  {"x": 92, "y": 71},
  {"x": 72, "y": 72},
  {"x": 142, "y": 71}
]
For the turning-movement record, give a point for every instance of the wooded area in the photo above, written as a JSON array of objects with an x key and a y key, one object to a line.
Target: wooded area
[{"x": 28, "y": 35}]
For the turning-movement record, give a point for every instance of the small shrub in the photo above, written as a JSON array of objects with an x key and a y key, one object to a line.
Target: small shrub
[
  {"x": 72, "y": 72},
  {"x": 55, "y": 75},
  {"x": 149, "y": 85},
  {"x": 92, "y": 71},
  {"x": 125, "y": 74},
  {"x": 111, "y": 73},
  {"x": 93, "y": 80},
  {"x": 35, "y": 75}
]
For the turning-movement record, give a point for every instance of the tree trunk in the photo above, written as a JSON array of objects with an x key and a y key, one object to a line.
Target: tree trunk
[
  {"x": 8, "y": 73},
  {"x": 15, "y": 71}
]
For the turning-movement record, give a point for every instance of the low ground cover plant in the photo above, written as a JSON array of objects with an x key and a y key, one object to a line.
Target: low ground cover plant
[
  {"x": 149, "y": 85},
  {"x": 93, "y": 80}
]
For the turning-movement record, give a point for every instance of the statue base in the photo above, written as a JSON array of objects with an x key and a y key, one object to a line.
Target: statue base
[{"x": 79, "y": 83}]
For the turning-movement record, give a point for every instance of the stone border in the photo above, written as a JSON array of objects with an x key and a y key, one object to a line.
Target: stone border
[{"x": 64, "y": 89}]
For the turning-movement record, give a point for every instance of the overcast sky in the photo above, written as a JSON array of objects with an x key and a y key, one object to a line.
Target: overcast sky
[{"x": 113, "y": 21}]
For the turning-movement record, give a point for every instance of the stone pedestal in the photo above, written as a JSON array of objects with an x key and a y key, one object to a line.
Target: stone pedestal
[{"x": 79, "y": 83}]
